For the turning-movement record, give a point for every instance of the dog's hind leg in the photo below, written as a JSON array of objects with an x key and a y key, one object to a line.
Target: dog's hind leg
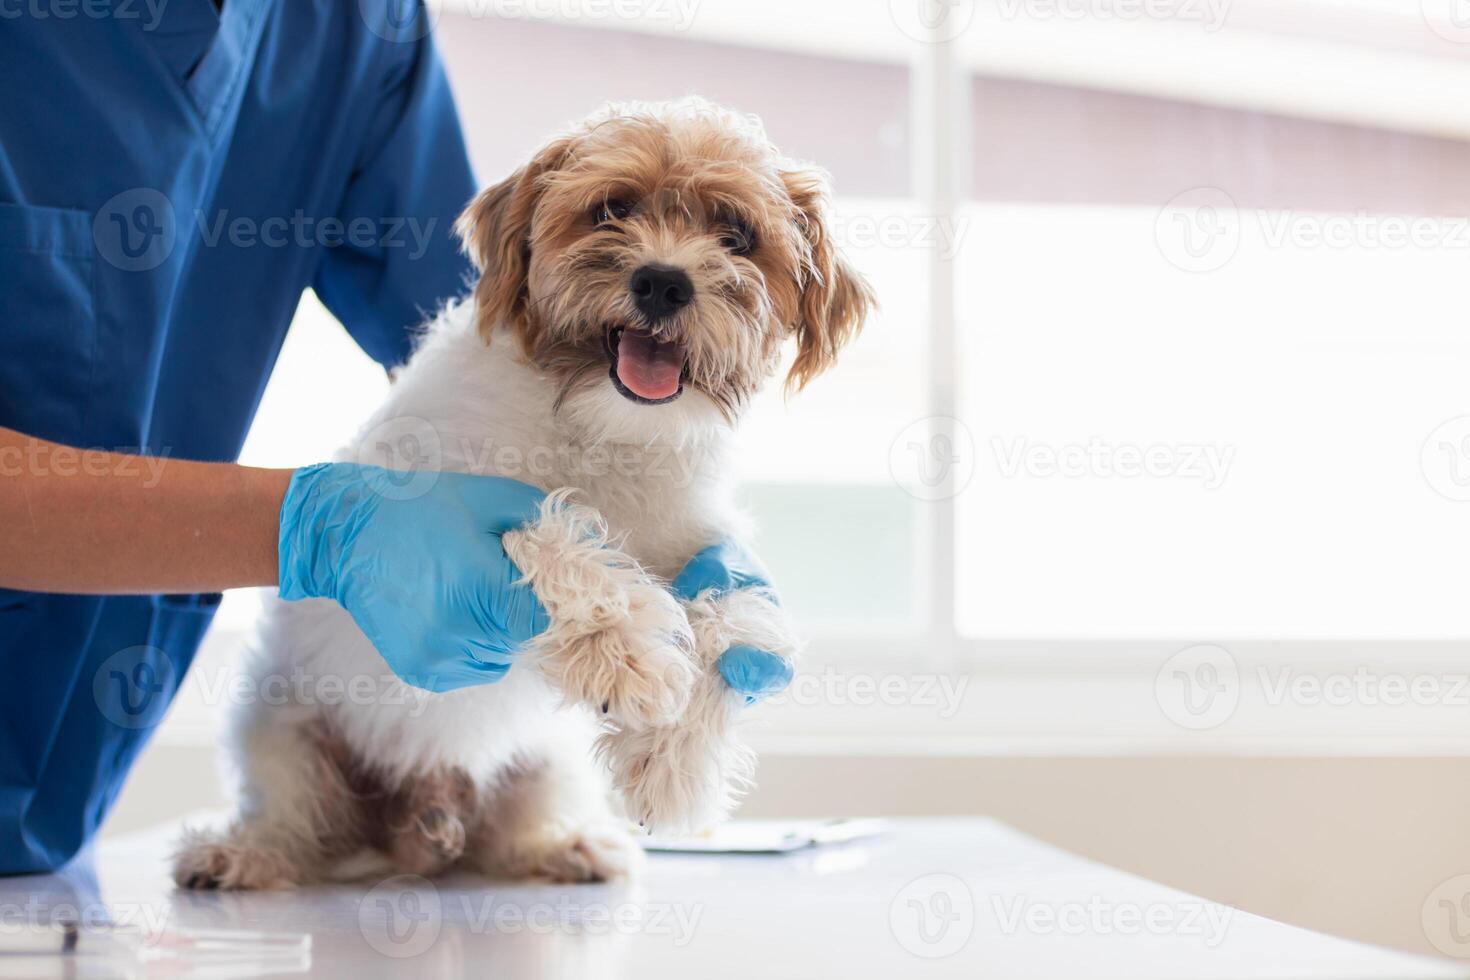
[
  {"x": 549, "y": 817},
  {"x": 297, "y": 814},
  {"x": 421, "y": 825}
]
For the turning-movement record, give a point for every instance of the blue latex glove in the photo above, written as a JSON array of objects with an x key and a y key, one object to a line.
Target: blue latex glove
[
  {"x": 725, "y": 567},
  {"x": 423, "y": 573}
]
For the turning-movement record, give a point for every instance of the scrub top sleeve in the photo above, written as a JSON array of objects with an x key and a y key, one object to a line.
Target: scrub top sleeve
[{"x": 398, "y": 259}]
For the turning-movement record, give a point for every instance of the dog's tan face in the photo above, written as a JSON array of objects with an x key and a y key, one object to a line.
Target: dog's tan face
[{"x": 659, "y": 254}]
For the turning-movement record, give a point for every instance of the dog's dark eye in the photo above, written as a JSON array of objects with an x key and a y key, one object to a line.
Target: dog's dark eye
[
  {"x": 737, "y": 235},
  {"x": 612, "y": 210}
]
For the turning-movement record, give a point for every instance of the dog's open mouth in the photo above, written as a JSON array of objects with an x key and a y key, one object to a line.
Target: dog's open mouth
[{"x": 646, "y": 369}]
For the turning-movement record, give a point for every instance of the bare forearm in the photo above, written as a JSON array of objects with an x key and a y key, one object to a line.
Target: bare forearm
[{"x": 86, "y": 521}]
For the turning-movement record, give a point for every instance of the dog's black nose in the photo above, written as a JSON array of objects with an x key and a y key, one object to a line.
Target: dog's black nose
[{"x": 660, "y": 291}]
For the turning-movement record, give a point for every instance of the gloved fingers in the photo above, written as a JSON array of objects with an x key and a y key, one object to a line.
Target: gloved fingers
[
  {"x": 754, "y": 672},
  {"x": 724, "y": 567},
  {"x": 476, "y": 662},
  {"x": 487, "y": 656},
  {"x": 421, "y": 569},
  {"x": 518, "y": 611},
  {"x": 515, "y": 504}
]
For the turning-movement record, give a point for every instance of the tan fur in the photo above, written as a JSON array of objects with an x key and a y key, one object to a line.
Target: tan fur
[
  {"x": 835, "y": 299},
  {"x": 558, "y": 281}
]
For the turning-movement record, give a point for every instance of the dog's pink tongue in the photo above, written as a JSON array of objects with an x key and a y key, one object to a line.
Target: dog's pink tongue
[{"x": 648, "y": 368}]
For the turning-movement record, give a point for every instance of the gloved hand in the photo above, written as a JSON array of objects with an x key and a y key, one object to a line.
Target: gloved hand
[
  {"x": 426, "y": 577},
  {"x": 725, "y": 567}
]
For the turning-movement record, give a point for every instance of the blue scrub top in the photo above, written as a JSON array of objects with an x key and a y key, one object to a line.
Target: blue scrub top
[{"x": 172, "y": 177}]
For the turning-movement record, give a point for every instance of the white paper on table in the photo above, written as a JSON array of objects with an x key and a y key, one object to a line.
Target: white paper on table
[{"x": 768, "y": 836}]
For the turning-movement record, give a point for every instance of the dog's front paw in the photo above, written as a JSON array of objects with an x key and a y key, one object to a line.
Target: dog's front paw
[
  {"x": 689, "y": 775},
  {"x": 207, "y": 861},
  {"x": 632, "y": 664},
  {"x": 618, "y": 642},
  {"x": 679, "y": 779},
  {"x": 638, "y": 672}
]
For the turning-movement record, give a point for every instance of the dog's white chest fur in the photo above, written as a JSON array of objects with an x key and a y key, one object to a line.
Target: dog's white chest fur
[
  {"x": 659, "y": 481},
  {"x": 462, "y": 405}
]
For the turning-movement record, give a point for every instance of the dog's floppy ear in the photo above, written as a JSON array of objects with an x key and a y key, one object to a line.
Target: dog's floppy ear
[
  {"x": 496, "y": 232},
  {"x": 835, "y": 298}
]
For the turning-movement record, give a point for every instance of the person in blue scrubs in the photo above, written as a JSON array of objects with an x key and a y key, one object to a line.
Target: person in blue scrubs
[{"x": 172, "y": 177}]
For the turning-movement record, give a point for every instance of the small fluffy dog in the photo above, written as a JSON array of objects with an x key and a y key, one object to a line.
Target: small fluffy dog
[{"x": 639, "y": 279}]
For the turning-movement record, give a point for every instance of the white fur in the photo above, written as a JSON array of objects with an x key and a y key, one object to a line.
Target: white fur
[{"x": 599, "y": 558}]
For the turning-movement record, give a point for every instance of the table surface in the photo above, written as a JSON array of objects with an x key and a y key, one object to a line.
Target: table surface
[{"x": 968, "y": 898}]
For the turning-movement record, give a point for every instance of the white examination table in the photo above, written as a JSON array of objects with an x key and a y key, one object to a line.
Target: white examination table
[{"x": 964, "y": 898}]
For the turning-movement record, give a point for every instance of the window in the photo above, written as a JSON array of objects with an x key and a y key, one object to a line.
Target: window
[{"x": 1172, "y": 349}]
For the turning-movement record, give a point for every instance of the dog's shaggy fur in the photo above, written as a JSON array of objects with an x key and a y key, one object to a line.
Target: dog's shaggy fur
[{"x": 523, "y": 381}]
